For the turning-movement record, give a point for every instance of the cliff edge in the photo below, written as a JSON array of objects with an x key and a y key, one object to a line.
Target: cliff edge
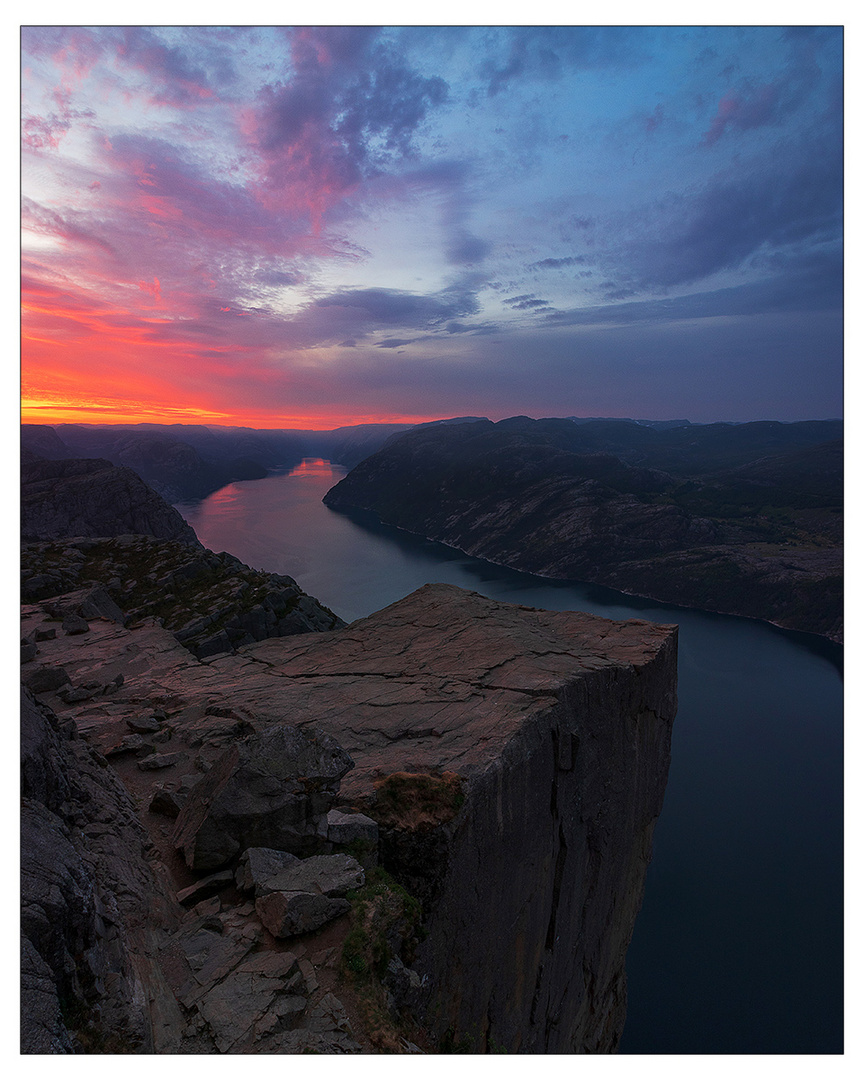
[{"x": 549, "y": 734}]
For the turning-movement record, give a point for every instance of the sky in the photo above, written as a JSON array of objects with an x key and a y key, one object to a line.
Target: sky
[{"x": 309, "y": 227}]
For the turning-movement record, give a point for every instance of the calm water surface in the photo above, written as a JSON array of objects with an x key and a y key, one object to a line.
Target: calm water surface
[{"x": 738, "y": 947}]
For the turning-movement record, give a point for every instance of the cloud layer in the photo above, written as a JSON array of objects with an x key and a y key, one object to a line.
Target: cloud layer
[{"x": 271, "y": 225}]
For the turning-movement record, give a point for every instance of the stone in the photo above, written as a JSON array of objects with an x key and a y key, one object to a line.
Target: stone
[
  {"x": 86, "y": 889},
  {"x": 329, "y": 1015},
  {"x": 144, "y": 725},
  {"x": 130, "y": 744},
  {"x": 97, "y": 604},
  {"x": 234, "y": 1005},
  {"x": 289, "y": 914},
  {"x": 160, "y": 761},
  {"x": 273, "y": 790},
  {"x": 403, "y": 985},
  {"x": 275, "y": 965},
  {"x": 207, "y": 886},
  {"x": 211, "y": 953},
  {"x": 351, "y": 828},
  {"x": 45, "y": 633},
  {"x": 44, "y": 679},
  {"x": 256, "y": 865},
  {"x": 78, "y": 693},
  {"x": 332, "y": 875},
  {"x": 28, "y": 651},
  {"x": 206, "y": 908},
  {"x": 74, "y": 624},
  {"x": 42, "y": 1028},
  {"x": 307, "y": 970},
  {"x": 284, "y": 1013},
  {"x": 167, "y": 802}
]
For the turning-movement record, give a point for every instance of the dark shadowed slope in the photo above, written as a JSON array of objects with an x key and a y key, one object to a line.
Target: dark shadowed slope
[
  {"x": 91, "y": 497},
  {"x": 744, "y": 519}
]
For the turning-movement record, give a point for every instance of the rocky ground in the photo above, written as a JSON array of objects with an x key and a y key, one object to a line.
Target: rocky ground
[
  {"x": 447, "y": 705},
  {"x": 211, "y": 603}
]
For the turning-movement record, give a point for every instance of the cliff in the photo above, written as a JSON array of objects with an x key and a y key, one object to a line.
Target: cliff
[
  {"x": 91, "y": 497},
  {"x": 744, "y": 519},
  {"x": 510, "y": 761}
]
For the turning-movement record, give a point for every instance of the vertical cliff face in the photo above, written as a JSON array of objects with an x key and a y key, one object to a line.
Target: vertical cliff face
[
  {"x": 536, "y": 748},
  {"x": 555, "y": 841}
]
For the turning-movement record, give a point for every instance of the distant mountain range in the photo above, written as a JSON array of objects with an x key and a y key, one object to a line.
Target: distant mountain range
[
  {"x": 745, "y": 519},
  {"x": 184, "y": 462}
]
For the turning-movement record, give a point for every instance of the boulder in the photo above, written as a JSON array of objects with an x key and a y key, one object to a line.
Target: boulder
[
  {"x": 45, "y": 679},
  {"x": 351, "y": 828},
  {"x": 330, "y": 875},
  {"x": 272, "y": 790},
  {"x": 258, "y": 864},
  {"x": 207, "y": 886},
  {"x": 129, "y": 744},
  {"x": 74, "y": 624},
  {"x": 167, "y": 802},
  {"x": 142, "y": 725},
  {"x": 287, "y": 914}
]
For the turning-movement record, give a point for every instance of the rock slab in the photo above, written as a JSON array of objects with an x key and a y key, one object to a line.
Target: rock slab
[{"x": 273, "y": 790}]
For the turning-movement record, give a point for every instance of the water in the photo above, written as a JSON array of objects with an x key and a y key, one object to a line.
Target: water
[{"x": 738, "y": 947}]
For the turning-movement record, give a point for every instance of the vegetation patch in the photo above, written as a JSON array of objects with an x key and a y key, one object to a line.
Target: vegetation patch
[
  {"x": 416, "y": 800},
  {"x": 385, "y": 923}
]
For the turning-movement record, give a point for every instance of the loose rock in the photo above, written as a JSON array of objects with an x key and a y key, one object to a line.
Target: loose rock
[
  {"x": 274, "y": 790},
  {"x": 256, "y": 865},
  {"x": 287, "y": 914},
  {"x": 332, "y": 875}
]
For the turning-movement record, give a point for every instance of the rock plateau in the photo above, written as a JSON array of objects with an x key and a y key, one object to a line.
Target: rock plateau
[{"x": 509, "y": 766}]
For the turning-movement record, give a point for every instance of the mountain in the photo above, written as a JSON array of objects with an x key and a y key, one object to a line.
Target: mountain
[
  {"x": 180, "y": 462},
  {"x": 186, "y": 462},
  {"x": 92, "y": 497},
  {"x": 744, "y": 519}
]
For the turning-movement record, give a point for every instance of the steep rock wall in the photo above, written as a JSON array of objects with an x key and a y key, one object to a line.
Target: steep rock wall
[{"x": 555, "y": 840}]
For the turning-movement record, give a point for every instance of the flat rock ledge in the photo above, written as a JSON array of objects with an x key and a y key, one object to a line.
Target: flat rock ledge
[{"x": 554, "y": 730}]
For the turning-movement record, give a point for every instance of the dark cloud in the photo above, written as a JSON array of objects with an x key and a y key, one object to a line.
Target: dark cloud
[
  {"x": 655, "y": 119},
  {"x": 392, "y": 307},
  {"x": 525, "y": 303},
  {"x": 278, "y": 278},
  {"x": 179, "y": 76},
  {"x": 754, "y": 104},
  {"x": 811, "y": 283},
  {"x": 726, "y": 224},
  {"x": 557, "y": 264},
  {"x": 201, "y": 207},
  {"x": 394, "y": 343},
  {"x": 466, "y": 250}
]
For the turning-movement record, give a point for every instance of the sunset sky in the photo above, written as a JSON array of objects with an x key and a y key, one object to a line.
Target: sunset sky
[{"x": 310, "y": 227}]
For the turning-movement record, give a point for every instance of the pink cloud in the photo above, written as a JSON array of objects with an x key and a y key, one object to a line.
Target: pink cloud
[{"x": 753, "y": 108}]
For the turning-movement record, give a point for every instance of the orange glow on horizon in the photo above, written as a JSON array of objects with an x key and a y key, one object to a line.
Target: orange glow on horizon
[{"x": 34, "y": 411}]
